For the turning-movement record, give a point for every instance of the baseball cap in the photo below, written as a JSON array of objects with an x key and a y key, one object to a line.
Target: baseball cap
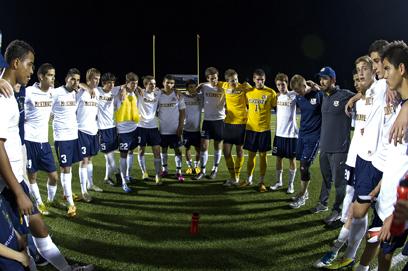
[{"x": 327, "y": 71}]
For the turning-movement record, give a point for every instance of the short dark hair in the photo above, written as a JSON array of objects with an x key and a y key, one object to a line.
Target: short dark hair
[
  {"x": 147, "y": 79},
  {"x": 72, "y": 72},
  {"x": 396, "y": 53},
  {"x": 190, "y": 82},
  {"x": 108, "y": 77},
  {"x": 44, "y": 68},
  {"x": 168, "y": 77},
  {"x": 17, "y": 49},
  {"x": 211, "y": 71},
  {"x": 281, "y": 77},
  {"x": 230, "y": 72},
  {"x": 378, "y": 46},
  {"x": 131, "y": 76},
  {"x": 259, "y": 72}
]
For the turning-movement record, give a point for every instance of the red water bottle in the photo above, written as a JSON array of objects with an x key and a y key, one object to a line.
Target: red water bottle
[
  {"x": 194, "y": 224},
  {"x": 402, "y": 194}
]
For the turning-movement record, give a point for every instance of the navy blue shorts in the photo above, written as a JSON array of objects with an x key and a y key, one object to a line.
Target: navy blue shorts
[
  {"x": 191, "y": 139},
  {"x": 257, "y": 141},
  {"x": 89, "y": 144},
  {"x": 128, "y": 141},
  {"x": 172, "y": 141},
  {"x": 212, "y": 129},
  {"x": 39, "y": 157},
  {"x": 68, "y": 152},
  {"x": 349, "y": 176},
  {"x": 284, "y": 147},
  {"x": 234, "y": 134},
  {"x": 149, "y": 136},
  {"x": 395, "y": 243},
  {"x": 108, "y": 140},
  {"x": 367, "y": 177},
  {"x": 307, "y": 148}
]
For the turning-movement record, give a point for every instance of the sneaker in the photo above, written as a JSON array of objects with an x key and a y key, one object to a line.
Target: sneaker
[
  {"x": 158, "y": 181},
  {"x": 290, "y": 190},
  {"x": 71, "y": 211},
  {"x": 180, "y": 178},
  {"x": 88, "y": 267},
  {"x": 262, "y": 188},
  {"x": 199, "y": 176},
  {"x": 319, "y": 208},
  {"x": 189, "y": 171},
  {"x": 95, "y": 188},
  {"x": 326, "y": 260},
  {"x": 334, "y": 216},
  {"x": 126, "y": 188},
  {"x": 245, "y": 184},
  {"x": 86, "y": 197},
  {"x": 212, "y": 175},
  {"x": 109, "y": 181},
  {"x": 164, "y": 174},
  {"x": 341, "y": 263},
  {"x": 145, "y": 176},
  {"x": 298, "y": 203},
  {"x": 43, "y": 209},
  {"x": 276, "y": 186}
]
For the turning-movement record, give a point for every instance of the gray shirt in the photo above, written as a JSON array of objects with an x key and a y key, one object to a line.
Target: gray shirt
[{"x": 336, "y": 125}]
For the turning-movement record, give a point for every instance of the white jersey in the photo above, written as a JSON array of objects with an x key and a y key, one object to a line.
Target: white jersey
[
  {"x": 214, "y": 102},
  {"x": 375, "y": 97},
  {"x": 286, "y": 125},
  {"x": 106, "y": 106},
  {"x": 64, "y": 108},
  {"x": 10, "y": 132},
  {"x": 37, "y": 107},
  {"x": 123, "y": 127},
  {"x": 87, "y": 112},
  {"x": 395, "y": 167},
  {"x": 169, "y": 112},
  {"x": 362, "y": 111},
  {"x": 193, "y": 113},
  {"x": 147, "y": 103}
]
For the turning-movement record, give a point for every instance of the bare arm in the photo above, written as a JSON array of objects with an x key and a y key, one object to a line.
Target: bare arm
[
  {"x": 180, "y": 127},
  {"x": 400, "y": 126},
  {"x": 5, "y": 88},
  {"x": 9, "y": 253},
  {"x": 351, "y": 102}
]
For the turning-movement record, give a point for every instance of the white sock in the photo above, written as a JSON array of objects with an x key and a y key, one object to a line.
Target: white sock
[
  {"x": 348, "y": 198},
  {"x": 203, "y": 160},
  {"x": 67, "y": 186},
  {"x": 112, "y": 163},
  {"x": 217, "y": 159},
  {"x": 50, "y": 252},
  {"x": 107, "y": 167},
  {"x": 129, "y": 162},
  {"x": 341, "y": 239},
  {"x": 62, "y": 180},
  {"x": 157, "y": 165},
  {"x": 249, "y": 180},
  {"x": 142, "y": 163},
  {"x": 83, "y": 179},
  {"x": 123, "y": 167},
  {"x": 90, "y": 174},
  {"x": 196, "y": 164},
  {"x": 164, "y": 161},
  {"x": 279, "y": 176},
  {"x": 35, "y": 191},
  {"x": 357, "y": 231},
  {"x": 292, "y": 175},
  {"x": 362, "y": 268},
  {"x": 189, "y": 163},
  {"x": 52, "y": 190},
  {"x": 178, "y": 161}
]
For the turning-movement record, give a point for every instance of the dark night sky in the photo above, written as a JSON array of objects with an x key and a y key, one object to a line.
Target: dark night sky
[{"x": 288, "y": 36}]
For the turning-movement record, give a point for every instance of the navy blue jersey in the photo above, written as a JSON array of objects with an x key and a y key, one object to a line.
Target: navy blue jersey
[
  {"x": 310, "y": 113},
  {"x": 20, "y": 97}
]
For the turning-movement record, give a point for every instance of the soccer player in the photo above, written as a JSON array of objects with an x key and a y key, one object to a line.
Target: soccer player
[
  {"x": 147, "y": 129},
  {"x": 309, "y": 101},
  {"x": 171, "y": 113},
  {"x": 108, "y": 138},
  {"x": 191, "y": 132},
  {"x": 213, "y": 125},
  {"x": 127, "y": 117},
  {"x": 65, "y": 128},
  {"x": 285, "y": 141},
  {"x": 261, "y": 100},
  {"x": 37, "y": 105},
  {"x": 87, "y": 131},
  {"x": 234, "y": 124}
]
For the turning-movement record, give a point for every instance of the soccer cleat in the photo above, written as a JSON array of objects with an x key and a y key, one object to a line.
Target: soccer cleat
[
  {"x": 199, "y": 176},
  {"x": 86, "y": 197},
  {"x": 164, "y": 174},
  {"x": 298, "y": 203},
  {"x": 180, "y": 178},
  {"x": 326, "y": 260},
  {"x": 212, "y": 175},
  {"x": 88, "y": 267},
  {"x": 43, "y": 209},
  {"x": 109, "y": 181},
  {"x": 341, "y": 263},
  {"x": 158, "y": 181},
  {"x": 262, "y": 188},
  {"x": 276, "y": 186},
  {"x": 197, "y": 170},
  {"x": 290, "y": 190},
  {"x": 244, "y": 184},
  {"x": 71, "y": 211},
  {"x": 298, "y": 195},
  {"x": 189, "y": 171},
  {"x": 126, "y": 188},
  {"x": 95, "y": 188},
  {"x": 145, "y": 176},
  {"x": 319, "y": 208}
]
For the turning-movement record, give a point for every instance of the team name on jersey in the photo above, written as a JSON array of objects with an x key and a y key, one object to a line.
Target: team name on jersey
[
  {"x": 212, "y": 94},
  {"x": 257, "y": 101},
  {"x": 233, "y": 91},
  {"x": 68, "y": 103},
  {"x": 106, "y": 98},
  {"x": 168, "y": 105},
  {"x": 192, "y": 103},
  {"x": 389, "y": 109},
  {"x": 146, "y": 100},
  {"x": 281, "y": 103},
  {"x": 361, "y": 117},
  {"x": 369, "y": 100},
  {"x": 43, "y": 104},
  {"x": 86, "y": 103}
]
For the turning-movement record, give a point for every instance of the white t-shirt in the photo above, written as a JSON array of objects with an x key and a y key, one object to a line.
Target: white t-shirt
[
  {"x": 64, "y": 108},
  {"x": 395, "y": 167},
  {"x": 37, "y": 107},
  {"x": 87, "y": 111},
  {"x": 10, "y": 132},
  {"x": 106, "y": 106},
  {"x": 147, "y": 103},
  {"x": 375, "y": 96},
  {"x": 169, "y": 112},
  {"x": 286, "y": 125},
  {"x": 214, "y": 102},
  {"x": 193, "y": 113},
  {"x": 123, "y": 127}
]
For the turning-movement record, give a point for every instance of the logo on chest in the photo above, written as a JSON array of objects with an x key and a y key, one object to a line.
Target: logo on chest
[{"x": 336, "y": 103}]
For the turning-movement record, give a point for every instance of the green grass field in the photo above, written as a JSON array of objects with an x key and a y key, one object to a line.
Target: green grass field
[{"x": 240, "y": 229}]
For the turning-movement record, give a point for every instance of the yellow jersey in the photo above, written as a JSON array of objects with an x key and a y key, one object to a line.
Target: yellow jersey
[
  {"x": 236, "y": 103},
  {"x": 127, "y": 111},
  {"x": 260, "y": 104}
]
